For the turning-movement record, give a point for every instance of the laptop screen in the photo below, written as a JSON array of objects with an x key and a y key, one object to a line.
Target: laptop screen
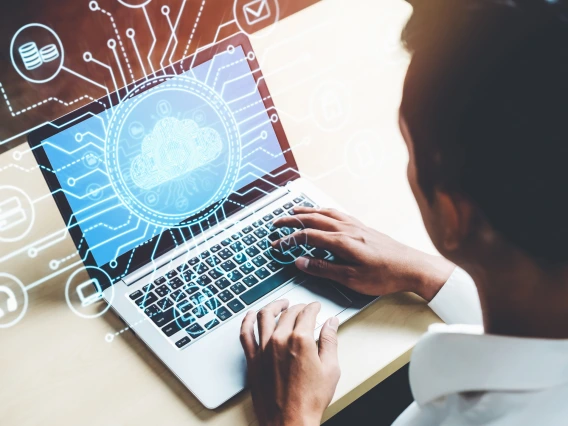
[{"x": 159, "y": 178}]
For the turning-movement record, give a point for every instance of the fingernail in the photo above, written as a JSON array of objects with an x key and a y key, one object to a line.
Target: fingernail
[
  {"x": 302, "y": 263},
  {"x": 333, "y": 323}
]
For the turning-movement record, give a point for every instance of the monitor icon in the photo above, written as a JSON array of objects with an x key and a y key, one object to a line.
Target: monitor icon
[{"x": 85, "y": 292}]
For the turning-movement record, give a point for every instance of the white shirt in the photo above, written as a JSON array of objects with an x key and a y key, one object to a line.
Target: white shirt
[{"x": 461, "y": 376}]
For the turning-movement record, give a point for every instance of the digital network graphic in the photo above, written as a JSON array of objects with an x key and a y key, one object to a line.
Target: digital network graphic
[{"x": 167, "y": 154}]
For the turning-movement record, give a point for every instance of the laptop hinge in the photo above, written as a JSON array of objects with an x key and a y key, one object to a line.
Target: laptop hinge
[{"x": 207, "y": 235}]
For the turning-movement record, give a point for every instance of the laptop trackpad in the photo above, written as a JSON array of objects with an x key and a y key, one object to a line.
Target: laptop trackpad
[{"x": 332, "y": 301}]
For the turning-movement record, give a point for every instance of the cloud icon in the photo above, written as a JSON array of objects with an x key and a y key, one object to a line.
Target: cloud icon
[{"x": 173, "y": 149}]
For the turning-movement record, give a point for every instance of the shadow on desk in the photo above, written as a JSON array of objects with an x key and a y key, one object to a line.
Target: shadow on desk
[{"x": 380, "y": 406}]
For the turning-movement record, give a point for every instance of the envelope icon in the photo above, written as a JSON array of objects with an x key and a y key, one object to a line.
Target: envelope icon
[
  {"x": 288, "y": 244},
  {"x": 256, "y": 11}
]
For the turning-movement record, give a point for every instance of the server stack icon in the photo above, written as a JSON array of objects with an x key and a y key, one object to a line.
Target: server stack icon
[{"x": 34, "y": 58}]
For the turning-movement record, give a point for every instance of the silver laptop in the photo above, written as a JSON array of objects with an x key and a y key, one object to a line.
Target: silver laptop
[{"x": 169, "y": 188}]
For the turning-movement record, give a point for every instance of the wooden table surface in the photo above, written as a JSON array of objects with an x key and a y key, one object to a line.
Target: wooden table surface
[{"x": 57, "y": 368}]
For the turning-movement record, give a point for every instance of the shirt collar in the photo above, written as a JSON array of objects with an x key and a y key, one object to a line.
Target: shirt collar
[{"x": 460, "y": 358}]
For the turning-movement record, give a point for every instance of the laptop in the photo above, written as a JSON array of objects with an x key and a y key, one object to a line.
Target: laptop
[{"x": 169, "y": 188}]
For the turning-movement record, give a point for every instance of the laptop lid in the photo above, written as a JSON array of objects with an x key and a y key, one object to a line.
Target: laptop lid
[{"x": 154, "y": 164}]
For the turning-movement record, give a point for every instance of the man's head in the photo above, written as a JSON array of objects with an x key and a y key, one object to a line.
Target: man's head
[{"x": 485, "y": 115}]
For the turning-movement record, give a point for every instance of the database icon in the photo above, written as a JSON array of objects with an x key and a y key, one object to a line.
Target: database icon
[{"x": 34, "y": 58}]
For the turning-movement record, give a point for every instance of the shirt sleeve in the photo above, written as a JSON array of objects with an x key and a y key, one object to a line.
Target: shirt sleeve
[{"x": 458, "y": 302}]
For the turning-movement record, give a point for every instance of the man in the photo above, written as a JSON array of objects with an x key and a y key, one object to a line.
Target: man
[{"x": 484, "y": 113}]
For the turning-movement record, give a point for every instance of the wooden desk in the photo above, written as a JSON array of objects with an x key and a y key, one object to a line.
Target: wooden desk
[{"x": 56, "y": 368}]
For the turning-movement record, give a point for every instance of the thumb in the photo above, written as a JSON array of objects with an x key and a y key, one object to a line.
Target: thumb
[
  {"x": 321, "y": 268},
  {"x": 328, "y": 342}
]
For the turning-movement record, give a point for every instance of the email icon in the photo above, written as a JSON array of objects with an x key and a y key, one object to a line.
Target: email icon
[
  {"x": 256, "y": 11},
  {"x": 11, "y": 213}
]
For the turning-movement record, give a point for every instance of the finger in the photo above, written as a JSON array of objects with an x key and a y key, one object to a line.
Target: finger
[
  {"x": 267, "y": 320},
  {"x": 324, "y": 269},
  {"x": 328, "y": 342},
  {"x": 312, "y": 220},
  {"x": 335, "y": 242},
  {"x": 248, "y": 340},
  {"x": 332, "y": 213},
  {"x": 306, "y": 321},
  {"x": 288, "y": 320}
]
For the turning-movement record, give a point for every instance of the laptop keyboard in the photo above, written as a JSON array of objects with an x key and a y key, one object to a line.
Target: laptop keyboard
[{"x": 207, "y": 290}]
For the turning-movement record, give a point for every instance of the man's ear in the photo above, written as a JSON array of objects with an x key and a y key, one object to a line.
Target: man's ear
[{"x": 454, "y": 214}]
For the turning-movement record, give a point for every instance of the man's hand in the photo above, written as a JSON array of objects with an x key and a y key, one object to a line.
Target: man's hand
[
  {"x": 292, "y": 380},
  {"x": 368, "y": 261}
]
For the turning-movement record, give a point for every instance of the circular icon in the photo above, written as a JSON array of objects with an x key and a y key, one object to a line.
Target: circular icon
[
  {"x": 91, "y": 160},
  {"x": 134, "y": 4},
  {"x": 95, "y": 192},
  {"x": 84, "y": 292},
  {"x": 331, "y": 106},
  {"x": 136, "y": 130},
  {"x": 37, "y": 53},
  {"x": 254, "y": 15},
  {"x": 291, "y": 244},
  {"x": 13, "y": 300},
  {"x": 17, "y": 214},
  {"x": 173, "y": 152},
  {"x": 364, "y": 154}
]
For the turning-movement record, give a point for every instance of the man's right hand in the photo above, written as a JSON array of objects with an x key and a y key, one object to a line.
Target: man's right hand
[{"x": 367, "y": 261}]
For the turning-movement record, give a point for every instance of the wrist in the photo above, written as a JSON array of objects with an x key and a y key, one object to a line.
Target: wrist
[{"x": 431, "y": 275}]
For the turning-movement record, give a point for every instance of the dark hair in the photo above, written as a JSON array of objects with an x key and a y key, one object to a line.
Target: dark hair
[{"x": 486, "y": 103}]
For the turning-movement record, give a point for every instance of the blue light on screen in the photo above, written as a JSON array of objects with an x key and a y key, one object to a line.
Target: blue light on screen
[{"x": 77, "y": 158}]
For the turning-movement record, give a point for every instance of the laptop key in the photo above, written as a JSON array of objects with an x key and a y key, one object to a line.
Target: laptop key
[
  {"x": 213, "y": 261},
  {"x": 197, "y": 298},
  {"x": 248, "y": 229},
  {"x": 211, "y": 324},
  {"x": 163, "y": 318},
  {"x": 163, "y": 290},
  {"x": 238, "y": 288},
  {"x": 275, "y": 236},
  {"x": 274, "y": 266},
  {"x": 184, "y": 306},
  {"x": 146, "y": 300},
  {"x": 216, "y": 248},
  {"x": 182, "y": 342},
  {"x": 226, "y": 242},
  {"x": 152, "y": 310},
  {"x": 213, "y": 304},
  {"x": 189, "y": 276},
  {"x": 270, "y": 284},
  {"x": 319, "y": 253},
  {"x": 247, "y": 268},
  {"x": 193, "y": 262},
  {"x": 264, "y": 245},
  {"x": 228, "y": 266},
  {"x": 205, "y": 255},
  {"x": 298, "y": 200},
  {"x": 200, "y": 269},
  {"x": 176, "y": 283},
  {"x": 203, "y": 280},
  {"x": 262, "y": 273},
  {"x": 212, "y": 289},
  {"x": 192, "y": 289},
  {"x": 259, "y": 261},
  {"x": 307, "y": 204},
  {"x": 249, "y": 240},
  {"x": 252, "y": 251},
  {"x": 225, "y": 296},
  {"x": 257, "y": 223},
  {"x": 235, "y": 306},
  {"x": 160, "y": 280},
  {"x": 137, "y": 294},
  {"x": 165, "y": 303},
  {"x": 171, "y": 274},
  {"x": 223, "y": 283},
  {"x": 261, "y": 232},
  {"x": 288, "y": 206},
  {"x": 200, "y": 311},
  {"x": 268, "y": 217},
  {"x": 170, "y": 329},
  {"x": 240, "y": 258},
  {"x": 237, "y": 235},
  {"x": 208, "y": 293},
  {"x": 237, "y": 247},
  {"x": 278, "y": 212},
  {"x": 183, "y": 267},
  {"x": 225, "y": 254},
  {"x": 223, "y": 313},
  {"x": 195, "y": 330},
  {"x": 234, "y": 276},
  {"x": 250, "y": 281},
  {"x": 177, "y": 295},
  {"x": 148, "y": 287}
]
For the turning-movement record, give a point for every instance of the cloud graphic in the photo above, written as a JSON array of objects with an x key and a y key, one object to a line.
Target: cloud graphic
[{"x": 173, "y": 149}]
